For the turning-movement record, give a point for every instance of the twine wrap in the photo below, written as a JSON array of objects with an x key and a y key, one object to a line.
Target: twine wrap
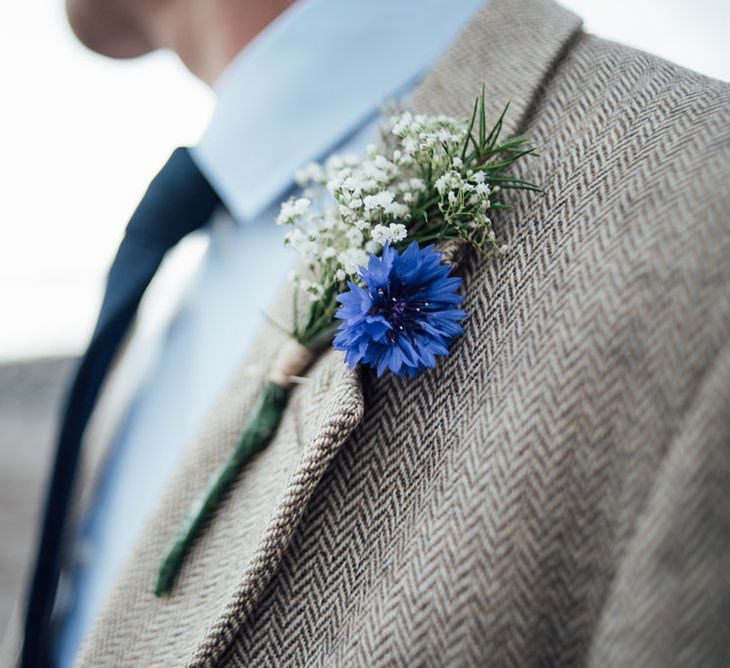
[{"x": 292, "y": 360}]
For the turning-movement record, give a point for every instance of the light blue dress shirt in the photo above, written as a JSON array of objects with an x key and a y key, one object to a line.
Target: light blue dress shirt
[{"x": 311, "y": 83}]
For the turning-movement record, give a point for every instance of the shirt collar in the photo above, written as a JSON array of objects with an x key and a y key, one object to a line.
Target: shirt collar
[{"x": 311, "y": 77}]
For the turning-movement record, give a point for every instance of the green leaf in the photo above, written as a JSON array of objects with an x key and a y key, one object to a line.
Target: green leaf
[
  {"x": 507, "y": 161},
  {"x": 482, "y": 119},
  {"x": 494, "y": 134},
  {"x": 469, "y": 130}
]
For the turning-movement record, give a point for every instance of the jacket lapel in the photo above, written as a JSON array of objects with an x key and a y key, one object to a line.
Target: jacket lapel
[
  {"x": 511, "y": 47},
  {"x": 320, "y": 417},
  {"x": 237, "y": 552}
]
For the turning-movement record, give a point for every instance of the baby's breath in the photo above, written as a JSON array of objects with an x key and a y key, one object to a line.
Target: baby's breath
[{"x": 432, "y": 179}]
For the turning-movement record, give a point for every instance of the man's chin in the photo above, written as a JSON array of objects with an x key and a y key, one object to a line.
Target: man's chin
[{"x": 107, "y": 28}]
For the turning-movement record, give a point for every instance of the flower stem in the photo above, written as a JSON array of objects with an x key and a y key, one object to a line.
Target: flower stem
[{"x": 258, "y": 431}]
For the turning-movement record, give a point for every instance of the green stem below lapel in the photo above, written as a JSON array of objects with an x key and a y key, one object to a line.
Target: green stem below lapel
[{"x": 260, "y": 428}]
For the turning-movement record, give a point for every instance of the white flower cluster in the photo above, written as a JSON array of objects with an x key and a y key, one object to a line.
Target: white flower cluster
[
  {"x": 434, "y": 140},
  {"x": 465, "y": 195},
  {"x": 351, "y": 207}
]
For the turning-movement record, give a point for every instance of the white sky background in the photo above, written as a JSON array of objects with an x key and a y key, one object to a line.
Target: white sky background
[{"x": 81, "y": 136}]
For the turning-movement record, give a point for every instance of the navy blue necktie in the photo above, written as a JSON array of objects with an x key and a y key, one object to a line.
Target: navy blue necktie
[{"x": 178, "y": 201}]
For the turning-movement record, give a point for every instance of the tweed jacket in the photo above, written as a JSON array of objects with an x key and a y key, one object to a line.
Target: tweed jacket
[{"x": 557, "y": 490}]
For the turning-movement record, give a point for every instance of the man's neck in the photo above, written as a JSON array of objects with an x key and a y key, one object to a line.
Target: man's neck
[{"x": 208, "y": 35}]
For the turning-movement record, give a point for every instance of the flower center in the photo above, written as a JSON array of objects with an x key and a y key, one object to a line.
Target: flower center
[{"x": 404, "y": 312}]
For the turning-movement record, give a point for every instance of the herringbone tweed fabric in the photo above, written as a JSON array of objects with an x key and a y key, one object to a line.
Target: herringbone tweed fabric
[{"x": 557, "y": 491}]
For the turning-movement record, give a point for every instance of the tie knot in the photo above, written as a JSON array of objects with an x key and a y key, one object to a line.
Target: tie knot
[{"x": 179, "y": 200}]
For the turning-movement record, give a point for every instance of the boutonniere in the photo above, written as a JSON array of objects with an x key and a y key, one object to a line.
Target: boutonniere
[{"x": 377, "y": 286}]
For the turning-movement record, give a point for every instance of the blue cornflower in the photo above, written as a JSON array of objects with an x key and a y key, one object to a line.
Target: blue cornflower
[{"x": 405, "y": 315}]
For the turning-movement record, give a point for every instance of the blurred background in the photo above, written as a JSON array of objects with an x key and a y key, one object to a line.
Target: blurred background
[{"x": 81, "y": 137}]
